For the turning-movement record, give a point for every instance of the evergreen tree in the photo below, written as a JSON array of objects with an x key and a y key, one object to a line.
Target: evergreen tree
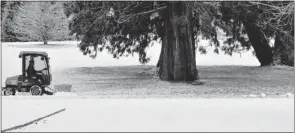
[{"x": 125, "y": 28}]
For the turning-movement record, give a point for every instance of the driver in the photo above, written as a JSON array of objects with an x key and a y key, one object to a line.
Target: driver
[{"x": 33, "y": 73}]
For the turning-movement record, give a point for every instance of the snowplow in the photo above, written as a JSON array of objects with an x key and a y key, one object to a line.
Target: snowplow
[{"x": 32, "y": 62}]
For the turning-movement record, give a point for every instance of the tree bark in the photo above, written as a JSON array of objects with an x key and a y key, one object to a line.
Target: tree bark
[
  {"x": 284, "y": 49},
  {"x": 160, "y": 62},
  {"x": 45, "y": 39},
  {"x": 178, "y": 61},
  {"x": 45, "y": 42},
  {"x": 258, "y": 40}
]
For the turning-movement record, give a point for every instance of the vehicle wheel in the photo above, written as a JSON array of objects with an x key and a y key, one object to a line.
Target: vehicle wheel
[
  {"x": 36, "y": 90},
  {"x": 8, "y": 92}
]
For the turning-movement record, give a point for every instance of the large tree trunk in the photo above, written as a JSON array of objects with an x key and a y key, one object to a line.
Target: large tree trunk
[
  {"x": 45, "y": 39},
  {"x": 284, "y": 49},
  {"x": 45, "y": 42},
  {"x": 160, "y": 61},
  {"x": 178, "y": 54},
  {"x": 259, "y": 42}
]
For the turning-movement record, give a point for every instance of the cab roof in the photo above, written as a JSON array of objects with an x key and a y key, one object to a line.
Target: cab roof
[{"x": 33, "y": 53}]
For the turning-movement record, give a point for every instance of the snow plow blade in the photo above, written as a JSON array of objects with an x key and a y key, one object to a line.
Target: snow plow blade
[{"x": 63, "y": 88}]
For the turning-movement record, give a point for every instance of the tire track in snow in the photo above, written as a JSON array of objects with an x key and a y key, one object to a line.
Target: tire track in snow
[{"x": 33, "y": 121}]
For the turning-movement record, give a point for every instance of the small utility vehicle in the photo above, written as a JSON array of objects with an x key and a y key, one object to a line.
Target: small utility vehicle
[{"x": 26, "y": 82}]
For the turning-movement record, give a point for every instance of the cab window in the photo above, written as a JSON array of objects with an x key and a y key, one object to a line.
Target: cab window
[{"x": 40, "y": 63}]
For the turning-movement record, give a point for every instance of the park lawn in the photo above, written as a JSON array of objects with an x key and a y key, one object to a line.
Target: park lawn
[
  {"x": 107, "y": 77},
  {"x": 139, "y": 81}
]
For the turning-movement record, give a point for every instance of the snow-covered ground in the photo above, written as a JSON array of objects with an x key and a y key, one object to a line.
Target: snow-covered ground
[
  {"x": 93, "y": 115},
  {"x": 96, "y": 114},
  {"x": 69, "y": 55}
]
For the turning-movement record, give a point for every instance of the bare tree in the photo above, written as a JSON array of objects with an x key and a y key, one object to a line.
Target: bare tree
[
  {"x": 8, "y": 9},
  {"x": 279, "y": 18},
  {"x": 261, "y": 21},
  {"x": 40, "y": 21},
  {"x": 4, "y": 14},
  {"x": 277, "y": 15}
]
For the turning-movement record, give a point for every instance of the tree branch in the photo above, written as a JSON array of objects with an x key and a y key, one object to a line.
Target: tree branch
[
  {"x": 259, "y": 3},
  {"x": 138, "y": 14}
]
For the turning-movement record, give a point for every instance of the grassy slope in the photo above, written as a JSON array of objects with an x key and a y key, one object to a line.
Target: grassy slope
[{"x": 138, "y": 82}]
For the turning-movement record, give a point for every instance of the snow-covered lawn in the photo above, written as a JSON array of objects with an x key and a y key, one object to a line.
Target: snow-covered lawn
[
  {"x": 138, "y": 82},
  {"x": 93, "y": 115},
  {"x": 88, "y": 110},
  {"x": 96, "y": 77},
  {"x": 66, "y": 54}
]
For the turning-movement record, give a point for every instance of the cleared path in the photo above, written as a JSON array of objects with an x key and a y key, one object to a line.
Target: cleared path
[{"x": 92, "y": 114}]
